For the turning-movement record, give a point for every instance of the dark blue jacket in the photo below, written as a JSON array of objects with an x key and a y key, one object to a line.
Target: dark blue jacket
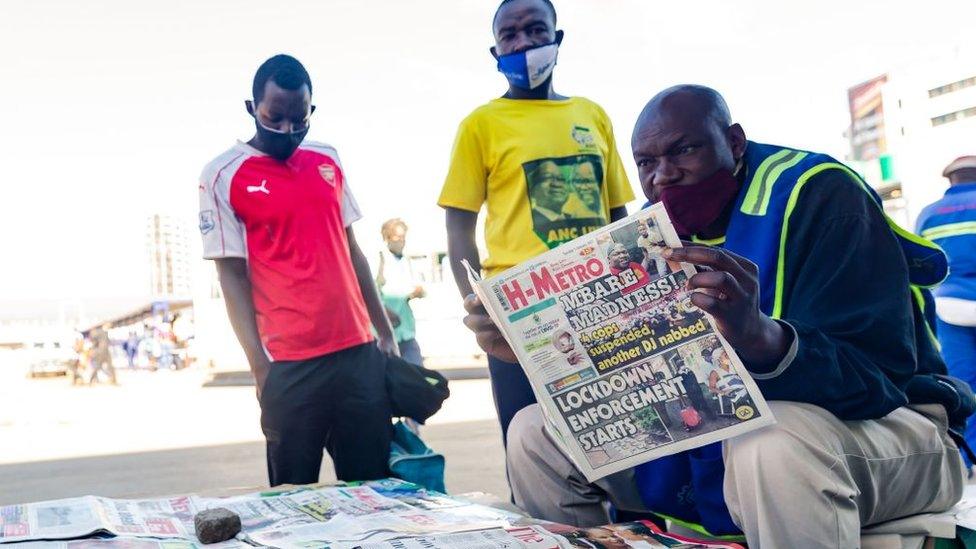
[{"x": 842, "y": 283}]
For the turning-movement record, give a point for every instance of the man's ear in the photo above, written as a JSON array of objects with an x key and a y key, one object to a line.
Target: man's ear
[
  {"x": 559, "y": 37},
  {"x": 737, "y": 140},
  {"x": 312, "y": 110},
  {"x": 249, "y": 107},
  {"x": 493, "y": 52}
]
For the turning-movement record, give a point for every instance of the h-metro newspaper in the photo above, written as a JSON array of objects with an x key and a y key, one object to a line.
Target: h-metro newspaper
[{"x": 625, "y": 368}]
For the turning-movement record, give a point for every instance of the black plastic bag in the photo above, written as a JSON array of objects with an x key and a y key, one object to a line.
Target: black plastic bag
[{"x": 414, "y": 391}]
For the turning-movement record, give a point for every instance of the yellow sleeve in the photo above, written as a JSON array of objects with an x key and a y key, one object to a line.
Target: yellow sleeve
[
  {"x": 619, "y": 190},
  {"x": 466, "y": 184}
]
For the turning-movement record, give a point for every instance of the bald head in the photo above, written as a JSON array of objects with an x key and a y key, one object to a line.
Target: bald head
[
  {"x": 690, "y": 100},
  {"x": 684, "y": 135}
]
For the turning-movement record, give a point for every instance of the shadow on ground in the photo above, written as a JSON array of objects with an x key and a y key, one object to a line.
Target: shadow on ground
[{"x": 475, "y": 462}]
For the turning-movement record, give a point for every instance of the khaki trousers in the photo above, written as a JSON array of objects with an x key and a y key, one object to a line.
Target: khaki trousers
[{"x": 811, "y": 480}]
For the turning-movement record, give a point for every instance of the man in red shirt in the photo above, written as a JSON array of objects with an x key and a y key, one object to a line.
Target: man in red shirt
[
  {"x": 619, "y": 259},
  {"x": 276, "y": 215}
]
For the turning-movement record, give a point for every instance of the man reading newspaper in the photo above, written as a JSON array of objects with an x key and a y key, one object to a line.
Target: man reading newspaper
[{"x": 815, "y": 290}]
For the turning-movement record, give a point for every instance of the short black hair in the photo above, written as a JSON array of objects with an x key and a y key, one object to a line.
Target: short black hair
[
  {"x": 548, "y": 3},
  {"x": 283, "y": 70}
]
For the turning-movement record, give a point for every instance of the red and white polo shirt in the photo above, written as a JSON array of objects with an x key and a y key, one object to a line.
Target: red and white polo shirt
[{"x": 289, "y": 220}]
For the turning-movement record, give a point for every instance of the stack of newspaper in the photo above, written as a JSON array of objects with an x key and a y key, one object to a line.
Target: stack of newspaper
[
  {"x": 626, "y": 369},
  {"x": 387, "y": 514}
]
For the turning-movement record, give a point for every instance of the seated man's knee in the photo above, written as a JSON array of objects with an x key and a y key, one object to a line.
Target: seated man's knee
[
  {"x": 526, "y": 425},
  {"x": 773, "y": 449}
]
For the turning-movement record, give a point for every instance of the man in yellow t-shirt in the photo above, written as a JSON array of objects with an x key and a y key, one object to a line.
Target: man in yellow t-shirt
[{"x": 545, "y": 166}]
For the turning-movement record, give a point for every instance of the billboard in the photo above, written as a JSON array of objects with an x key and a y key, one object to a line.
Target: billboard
[{"x": 867, "y": 119}]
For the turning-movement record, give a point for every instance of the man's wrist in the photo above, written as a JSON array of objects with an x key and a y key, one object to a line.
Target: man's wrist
[{"x": 768, "y": 348}]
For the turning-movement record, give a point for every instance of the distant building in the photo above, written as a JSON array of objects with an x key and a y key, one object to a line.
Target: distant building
[
  {"x": 907, "y": 124},
  {"x": 168, "y": 249}
]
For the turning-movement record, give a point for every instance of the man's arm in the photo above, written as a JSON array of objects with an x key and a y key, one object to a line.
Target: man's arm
[
  {"x": 377, "y": 313},
  {"x": 846, "y": 340},
  {"x": 847, "y": 297},
  {"x": 236, "y": 287},
  {"x": 461, "y": 245}
]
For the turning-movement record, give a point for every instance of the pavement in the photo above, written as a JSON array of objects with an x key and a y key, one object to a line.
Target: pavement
[{"x": 164, "y": 432}]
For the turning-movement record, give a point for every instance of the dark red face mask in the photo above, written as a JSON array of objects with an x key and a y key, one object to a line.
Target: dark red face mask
[{"x": 692, "y": 208}]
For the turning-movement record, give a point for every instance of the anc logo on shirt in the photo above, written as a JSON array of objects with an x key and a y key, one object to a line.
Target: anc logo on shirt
[
  {"x": 328, "y": 173},
  {"x": 583, "y": 136},
  {"x": 565, "y": 196}
]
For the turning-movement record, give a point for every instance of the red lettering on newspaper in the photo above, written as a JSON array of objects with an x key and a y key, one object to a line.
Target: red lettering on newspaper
[{"x": 545, "y": 283}]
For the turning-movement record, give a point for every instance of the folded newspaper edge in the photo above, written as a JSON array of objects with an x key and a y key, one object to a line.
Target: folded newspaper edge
[{"x": 607, "y": 335}]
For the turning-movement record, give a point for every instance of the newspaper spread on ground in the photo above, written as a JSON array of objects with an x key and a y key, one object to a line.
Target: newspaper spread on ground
[
  {"x": 348, "y": 531},
  {"x": 131, "y": 543},
  {"x": 388, "y": 514},
  {"x": 173, "y": 517},
  {"x": 625, "y": 367},
  {"x": 304, "y": 506},
  {"x": 631, "y": 535},
  {"x": 525, "y": 537},
  {"x": 88, "y": 515}
]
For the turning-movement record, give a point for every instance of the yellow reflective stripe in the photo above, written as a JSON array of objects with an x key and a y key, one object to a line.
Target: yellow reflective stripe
[
  {"x": 701, "y": 529},
  {"x": 709, "y": 241},
  {"x": 790, "y": 204},
  {"x": 920, "y": 300},
  {"x": 773, "y": 176},
  {"x": 921, "y": 241},
  {"x": 756, "y": 183},
  {"x": 950, "y": 229}
]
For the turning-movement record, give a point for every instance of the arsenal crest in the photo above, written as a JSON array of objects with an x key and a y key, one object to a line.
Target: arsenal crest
[{"x": 328, "y": 173}]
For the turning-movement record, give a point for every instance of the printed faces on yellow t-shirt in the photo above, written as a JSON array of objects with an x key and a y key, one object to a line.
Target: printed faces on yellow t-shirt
[{"x": 548, "y": 172}]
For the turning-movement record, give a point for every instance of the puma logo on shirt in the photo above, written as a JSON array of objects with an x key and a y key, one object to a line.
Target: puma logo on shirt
[{"x": 262, "y": 188}]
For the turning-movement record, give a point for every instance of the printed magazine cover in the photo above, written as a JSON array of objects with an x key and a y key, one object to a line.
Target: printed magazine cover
[{"x": 624, "y": 366}]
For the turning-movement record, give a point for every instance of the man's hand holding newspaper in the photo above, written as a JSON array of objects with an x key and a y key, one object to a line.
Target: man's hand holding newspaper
[
  {"x": 727, "y": 287},
  {"x": 489, "y": 337}
]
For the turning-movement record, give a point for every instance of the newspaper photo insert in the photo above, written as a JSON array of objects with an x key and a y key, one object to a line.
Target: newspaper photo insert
[{"x": 625, "y": 368}]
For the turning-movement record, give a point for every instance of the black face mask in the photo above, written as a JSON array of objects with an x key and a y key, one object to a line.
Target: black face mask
[{"x": 279, "y": 145}]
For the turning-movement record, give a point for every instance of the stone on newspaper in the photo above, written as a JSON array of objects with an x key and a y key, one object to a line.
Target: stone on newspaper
[{"x": 216, "y": 525}]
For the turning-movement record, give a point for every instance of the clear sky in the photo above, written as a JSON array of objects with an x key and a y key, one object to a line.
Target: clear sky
[{"x": 110, "y": 108}]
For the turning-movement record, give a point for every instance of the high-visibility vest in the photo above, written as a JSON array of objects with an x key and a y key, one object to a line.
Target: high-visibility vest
[
  {"x": 951, "y": 223},
  {"x": 687, "y": 487}
]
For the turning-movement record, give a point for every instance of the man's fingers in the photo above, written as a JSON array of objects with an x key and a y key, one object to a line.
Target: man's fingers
[
  {"x": 706, "y": 256},
  {"x": 722, "y": 284},
  {"x": 708, "y": 303},
  {"x": 473, "y": 305},
  {"x": 479, "y": 323}
]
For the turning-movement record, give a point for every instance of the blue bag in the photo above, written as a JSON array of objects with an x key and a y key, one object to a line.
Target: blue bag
[{"x": 413, "y": 461}]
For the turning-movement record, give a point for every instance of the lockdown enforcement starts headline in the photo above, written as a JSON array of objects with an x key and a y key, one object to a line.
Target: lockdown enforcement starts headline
[{"x": 603, "y": 411}]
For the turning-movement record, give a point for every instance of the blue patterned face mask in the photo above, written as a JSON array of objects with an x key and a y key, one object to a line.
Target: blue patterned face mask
[{"x": 528, "y": 69}]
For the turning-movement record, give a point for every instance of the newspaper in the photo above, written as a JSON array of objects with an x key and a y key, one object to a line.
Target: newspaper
[
  {"x": 85, "y": 516},
  {"x": 173, "y": 517},
  {"x": 130, "y": 543},
  {"x": 625, "y": 367},
  {"x": 631, "y": 535},
  {"x": 347, "y": 531},
  {"x": 525, "y": 537},
  {"x": 387, "y": 514},
  {"x": 304, "y": 506}
]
